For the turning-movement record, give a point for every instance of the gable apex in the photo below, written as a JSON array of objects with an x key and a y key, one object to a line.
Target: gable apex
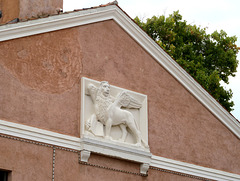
[{"x": 83, "y": 17}]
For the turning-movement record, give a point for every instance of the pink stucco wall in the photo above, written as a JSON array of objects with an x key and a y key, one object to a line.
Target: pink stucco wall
[
  {"x": 26, "y": 161},
  {"x": 39, "y": 81},
  {"x": 29, "y": 162},
  {"x": 67, "y": 162},
  {"x": 41, "y": 87}
]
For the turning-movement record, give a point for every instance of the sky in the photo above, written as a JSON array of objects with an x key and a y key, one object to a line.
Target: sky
[{"x": 213, "y": 14}]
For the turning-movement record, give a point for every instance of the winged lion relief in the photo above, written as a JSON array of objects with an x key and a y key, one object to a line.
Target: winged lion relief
[{"x": 115, "y": 108}]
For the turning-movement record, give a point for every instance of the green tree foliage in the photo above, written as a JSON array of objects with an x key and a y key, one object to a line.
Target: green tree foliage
[{"x": 209, "y": 58}]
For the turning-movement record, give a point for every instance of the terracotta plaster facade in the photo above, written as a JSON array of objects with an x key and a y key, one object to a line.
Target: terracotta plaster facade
[
  {"x": 26, "y": 9},
  {"x": 40, "y": 86},
  {"x": 26, "y": 161}
]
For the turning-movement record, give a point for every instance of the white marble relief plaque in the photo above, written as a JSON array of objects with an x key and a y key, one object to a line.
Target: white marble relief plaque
[{"x": 113, "y": 114}]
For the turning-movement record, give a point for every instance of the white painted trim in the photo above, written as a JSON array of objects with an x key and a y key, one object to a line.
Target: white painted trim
[
  {"x": 132, "y": 153},
  {"x": 8, "y": 32},
  {"x": 85, "y": 155},
  {"x": 191, "y": 169},
  {"x": 144, "y": 168},
  {"x": 53, "y": 23},
  {"x": 49, "y": 137},
  {"x": 177, "y": 71},
  {"x": 39, "y": 135}
]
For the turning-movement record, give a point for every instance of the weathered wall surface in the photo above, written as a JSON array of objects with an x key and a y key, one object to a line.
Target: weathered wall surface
[
  {"x": 25, "y": 9},
  {"x": 40, "y": 81},
  {"x": 10, "y": 10},
  {"x": 26, "y": 161},
  {"x": 68, "y": 161},
  {"x": 30, "y": 162},
  {"x": 41, "y": 76},
  {"x": 34, "y": 8}
]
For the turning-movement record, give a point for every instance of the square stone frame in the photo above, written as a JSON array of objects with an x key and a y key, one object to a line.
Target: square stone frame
[{"x": 87, "y": 109}]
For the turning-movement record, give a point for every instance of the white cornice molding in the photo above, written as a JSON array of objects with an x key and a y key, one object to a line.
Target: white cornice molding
[
  {"x": 52, "y": 138},
  {"x": 178, "y": 72},
  {"x": 191, "y": 169},
  {"x": 39, "y": 135},
  {"x": 12, "y": 31},
  {"x": 116, "y": 150},
  {"x": 55, "y": 22}
]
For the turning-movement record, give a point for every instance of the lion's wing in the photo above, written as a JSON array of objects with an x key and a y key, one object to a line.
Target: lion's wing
[{"x": 129, "y": 101}]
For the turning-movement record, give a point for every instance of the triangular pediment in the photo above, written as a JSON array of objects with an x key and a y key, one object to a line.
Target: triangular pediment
[{"x": 13, "y": 31}]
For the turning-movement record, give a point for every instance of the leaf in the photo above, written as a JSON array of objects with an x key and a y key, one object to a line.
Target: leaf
[{"x": 209, "y": 58}]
